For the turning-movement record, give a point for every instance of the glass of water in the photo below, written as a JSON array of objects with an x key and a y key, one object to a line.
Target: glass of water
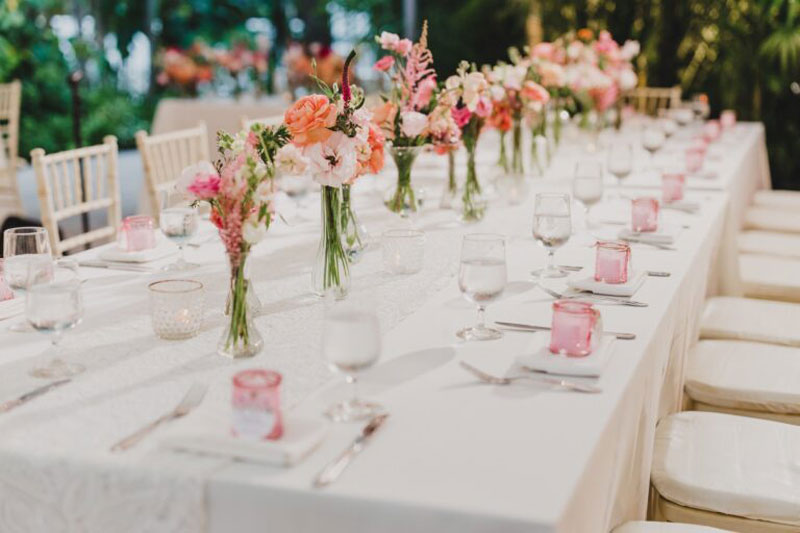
[
  {"x": 482, "y": 278},
  {"x": 21, "y": 247},
  {"x": 620, "y": 160},
  {"x": 52, "y": 307},
  {"x": 179, "y": 224},
  {"x": 351, "y": 343},
  {"x": 552, "y": 227},
  {"x": 587, "y": 184}
]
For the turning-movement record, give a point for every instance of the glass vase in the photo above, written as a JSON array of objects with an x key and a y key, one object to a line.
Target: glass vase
[
  {"x": 450, "y": 192},
  {"x": 331, "y": 272},
  {"x": 355, "y": 238},
  {"x": 502, "y": 161},
  {"x": 403, "y": 201},
  {"x": 240, "y": 339},
  {"x": 473, "y": 204},
  {"x": 517, "y": 165}
]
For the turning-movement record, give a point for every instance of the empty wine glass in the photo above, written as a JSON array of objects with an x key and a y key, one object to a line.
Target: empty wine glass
[
  {"x": 482, "y": 278},
  {"x": 179, "y": 222},
  {"x": 620, "y": 160},
  {"x": 54, "y": 306},
  {"x": 351, "y": 342},
  {"x": 587, "y": 184},
  {"x": 653, "y": 139},
  {"x": 552, "y": 227}
]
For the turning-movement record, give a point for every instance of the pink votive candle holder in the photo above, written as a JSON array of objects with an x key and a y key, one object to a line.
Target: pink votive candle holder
[
  {"x": 711, "y": 130},
  {"x": 644, "y": 214},
  {"x": 256, "y": 403},
  {"x": 672, "y": 185},
  {"x": 695, "y": 157},
  {"x": 137, "y": 233},
  {"x": 727, "y": 119},
  {"x": 612, "y": 261},
  {"x": 5, "y": 290},
  {"x": 576, "y": 328}
]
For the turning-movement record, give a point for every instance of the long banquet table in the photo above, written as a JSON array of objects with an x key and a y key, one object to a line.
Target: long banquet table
[{"x": 455, "y": 455}]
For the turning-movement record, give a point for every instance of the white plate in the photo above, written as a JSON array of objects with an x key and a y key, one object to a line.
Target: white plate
[
  {"x": 635, "y": 280},
  {"x": 665, "y": 234},
  {"x": 539, "y": 357}
]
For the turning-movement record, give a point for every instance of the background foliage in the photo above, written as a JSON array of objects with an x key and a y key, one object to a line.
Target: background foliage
[{"x": 744, "y": 53}]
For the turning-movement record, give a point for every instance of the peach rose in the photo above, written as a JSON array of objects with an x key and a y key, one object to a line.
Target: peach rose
[
  {"x": 309, "y": 118},
  {"x": 376, "y": 141},
  {"x": 384, "y": 116}
]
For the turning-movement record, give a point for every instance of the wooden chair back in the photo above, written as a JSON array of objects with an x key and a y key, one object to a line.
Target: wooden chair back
[{"x": 650, "y": 100}]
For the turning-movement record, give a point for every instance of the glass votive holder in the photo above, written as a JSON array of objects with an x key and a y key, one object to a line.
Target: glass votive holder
[
  {"x": 711, "y": 130},
  {"x": 137, "y": 233},
  {"x": 644, "y": 214},
  {"x": 695, "y": 157},
  {"x": 5, "y": 291},
  {"x": 403, "y": 250},
  {"x": 672, "y": 185},
  {"x": 612, "y": 262},
  {"x": 176, "y": 308},
  {"x": 256, "y": 403},
  {"x": 727, "y": 119},
  {"x": 576, "y": 328}
]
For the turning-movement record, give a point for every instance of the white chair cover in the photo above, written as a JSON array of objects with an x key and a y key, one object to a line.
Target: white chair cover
[
  {"x": 770, "y": 277},
  {"x": 771, "y": 219},
  {"x": 779, "y": 199},
  {"x": 749, "y": 319},
  {"x": 769, "y": 243},
  {"x": 664, "y": 527},
  {"x": 745, "y": 467}
]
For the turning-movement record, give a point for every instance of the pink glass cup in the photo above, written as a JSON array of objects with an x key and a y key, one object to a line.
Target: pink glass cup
[
  {"x": 256, "y": 405},
  {"x": 727, "y": 119},
  {"x": 612, "y": 262},
  {"x": 644, "y": 214},
  {"x": 695, "y": 157},
  {"x": 137, "y": 233},
  {"x": 711, "y": 130},
  {"x": 672, "y": 185},
  {"x": 5, "y": 291},
  {"x": 576, "y": 328}
]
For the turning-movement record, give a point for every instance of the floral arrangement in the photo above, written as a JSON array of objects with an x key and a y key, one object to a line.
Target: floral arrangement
[
  {"x": 239, "y": 188},
  {"x": 333, "y": 136}
]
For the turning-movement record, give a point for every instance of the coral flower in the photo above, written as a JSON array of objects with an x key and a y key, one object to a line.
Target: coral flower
[
  {"x": 384, "y": 63},
  {"x": 309, "y": 118}
]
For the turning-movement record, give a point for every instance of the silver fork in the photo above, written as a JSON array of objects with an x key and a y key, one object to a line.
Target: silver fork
[
  {"x": 191, "y": 400},
  {"x": 551, "y": 382},
  {"x": 601, "y": 297}
]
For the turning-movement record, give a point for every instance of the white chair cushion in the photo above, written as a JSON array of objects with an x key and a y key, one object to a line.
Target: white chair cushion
[
  {"x": 745, "y": 375},
  {"x": 665, "y": 527},
  {"x": 769, "y": 243},
  {"x": 771, "y": 219},
  {"x": 749, "y": 319},
  {"x": 740, "y": 466},
  {"x": 770, "y": 277},
  {"x": 778, "y": 199}
]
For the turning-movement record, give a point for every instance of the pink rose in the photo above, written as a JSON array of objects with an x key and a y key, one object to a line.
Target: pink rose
[
  {"x": 403, "y": 46},
  {"x": 384, "y": 63},
  {"x": 309, "y": 118},
  {"x": 461, "y": 115}
]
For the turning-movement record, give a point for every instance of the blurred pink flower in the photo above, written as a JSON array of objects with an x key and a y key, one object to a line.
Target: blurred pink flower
[
  {"x": 484, "y": 107},
  {"x": 388, "y": 41},
  {"x": 384, "y": 63},
  {"x": 199, "y": 181},
  {"x": 461, "y": 115},
  {"x": 403, "y": 46},
  {"x": 425, "y": 92},
  {"x": 543, "y": 51}
]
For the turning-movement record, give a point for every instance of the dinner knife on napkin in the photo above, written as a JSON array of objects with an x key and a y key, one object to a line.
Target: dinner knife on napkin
[
  {"x": 334, "y": 469},
  {"x": 28, "y": 396},
  {"x": 111, "y": 265}
]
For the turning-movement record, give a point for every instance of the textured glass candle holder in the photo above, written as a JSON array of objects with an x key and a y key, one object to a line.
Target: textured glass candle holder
[
  {"x": 612, "y": 262},
  {"x": 672, "y": 185},
  {"x": 695, "y": 157},
  {"x": 137, "y": 233},
  {"x": 576, "y": 328},
  {"x": 711, "y": 130},
  {"x": 644, "y": 214},
  {"x": 256, "y": 404},
  {"x": 403, "y": 250},
  {"x": 176, "y": 308}
]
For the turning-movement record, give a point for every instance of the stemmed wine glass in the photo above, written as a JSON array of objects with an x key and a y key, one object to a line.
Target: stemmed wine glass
[
  {"x": 552, "y": 227},
  {"x": 54, "y": 306},
  {"x": 587, "y": 184},
  {"x": 653, "y": 139},
  {"x": 351, "y": 342},
  {"x": 178, "y": 222},
  {"x": 620, "y": 160},
  {"x": 482, "y": 278},
  {"x": 27, "y": 261}
]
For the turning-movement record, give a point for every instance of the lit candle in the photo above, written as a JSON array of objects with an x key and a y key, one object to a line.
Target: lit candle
[{"x": 256, "y": 404}]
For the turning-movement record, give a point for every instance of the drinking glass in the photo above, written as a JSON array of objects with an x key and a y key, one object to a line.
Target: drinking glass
[
  {"x": 587, "y": 184},
  {"x": 21, "y": 246},
  {"x": 644, "y": 214},
  {"x": 179, "y": 224},
  {"x": 576, "y": 329},
  {"x": 620, "y": 160},
  {"x": 481, "y": 279},
  {"x": 653, "y": 139},
  {"x": 176, "y": 307},
  {"x": 552, "y": 227},
  {"x": 351, "y": 342},
  {"x": 54, "y": 306},
  {"x": 612, "y": 262},
  {"x": 672, "y": 184},
  {"x": 403, "y": 250}
]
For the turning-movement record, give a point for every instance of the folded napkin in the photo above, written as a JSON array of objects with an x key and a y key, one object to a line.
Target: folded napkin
[
  {"x": 13, "y": 307},
  {"x": 112, "y": 252},
  {"x": 539, "y": 357},
  {"x": 703, "y": 175},
  {"x": 635, "y": 280},
  {"x": 665, "y": 235},
  {"x": 300, "y": 437},
  {"x": 683, "y": 205}
]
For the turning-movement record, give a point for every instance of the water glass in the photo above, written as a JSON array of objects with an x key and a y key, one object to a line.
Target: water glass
[
  {"x": 668, "y": 126},
  {"x": 482, "y": 279},
  {"x": 351, "y": 343},
  {"x": 695, "y": 156},
  {"x": 727, "y": 119},
  {"x": 653, "y": 139},
  {"x": 552, "y": 227},
  {"x": 256, "y": 404},
  {"x": 176, "y": 308},
  {"x": 137, "y": 233},
  {"x": 576, "y": 329},
  {"x": 644, "y": 214},
  {"x": 620, "y": 160},
  {"x": 22, "y": 247},
  {"x": 403, "y": 250},
  {"x": 612, "y": 262},
  {"x": 711, "y": 130},
  {"x": 587, "y": 183},
  {"x": 672, "y": 186},
  {"x": 179, "y": 224}
]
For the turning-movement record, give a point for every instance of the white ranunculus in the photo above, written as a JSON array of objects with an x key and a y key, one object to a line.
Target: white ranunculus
[
  {"x": 332, "y": 162},
  {"x": 291, "y": 160}
]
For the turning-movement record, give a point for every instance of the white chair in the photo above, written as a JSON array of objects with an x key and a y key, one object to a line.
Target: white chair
[
  {"x": 164, "y": 157},
  {"x": 770, "y": 277},
  {"x": 272, "y": 120},
  {"x": 664, "y": 527},
  {"x": 750, "y": 319},
  {"x": 726, "y": 471},
  {"x": 10, "y": 100},
  {"x": 745, "y": 378},
  {"x": 777, "y": 199},
  {"x": 650, "y": 100},
  {"x": 74, "y": 182},
  {"x": 769, "y": 243},
  {"x": 771, "y": 219}
]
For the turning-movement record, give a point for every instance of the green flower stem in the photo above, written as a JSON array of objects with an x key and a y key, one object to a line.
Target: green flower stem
[
  {"x": 473, "y": 209},
  {"x": 336, "y": 264},
  {"x": 403, "y": 198},
  {"x": 238, "y": 334},
  {"x": 452, "y": 186},
  {"x": 516, "y": 158},
  {"x": 349, "y": 225},
  {"x": 502, "y": 162}
]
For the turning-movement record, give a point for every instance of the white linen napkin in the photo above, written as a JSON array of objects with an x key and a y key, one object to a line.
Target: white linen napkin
[
  {"x": 629, "y": 288},
  {"x": 683, "y": 205},
  {"x": 539, "y": 357},
  {"x": 666, "y": 234},
  {"x": 300, "y": 437},
  {"x": 112, "y": 252}
]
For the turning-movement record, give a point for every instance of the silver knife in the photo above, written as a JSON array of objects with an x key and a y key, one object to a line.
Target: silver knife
[
  {"x": 652, "y": 273},
  {"x": 28, "y": 396},
  {"x": 114, "y": 265},
  {"x": 532, "y": 327},
  {"x": 334, "y": 469}
]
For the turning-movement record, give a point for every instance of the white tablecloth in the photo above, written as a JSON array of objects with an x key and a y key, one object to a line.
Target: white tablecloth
[{"x": 454, "y": 456}]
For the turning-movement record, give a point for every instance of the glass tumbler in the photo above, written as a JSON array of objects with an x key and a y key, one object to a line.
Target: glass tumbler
[
  {"x": 176, "y": 308},
  {"x": 612, "y": 262},
  {"x": 644, "y": 214},
  {"x": 403, "y": 250},
  {"x": 576, "y": 328}
]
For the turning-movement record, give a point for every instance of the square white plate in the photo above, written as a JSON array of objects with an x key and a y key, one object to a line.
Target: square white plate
[
  {"x": 539, "y": 357},
  {"x": 629, "y": 288}
]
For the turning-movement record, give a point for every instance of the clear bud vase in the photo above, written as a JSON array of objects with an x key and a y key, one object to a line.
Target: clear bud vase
[
  {"x": 502, "y": 161},
  {"x": 517, "y": 165},
  {"x": 355, "y": 238},
  {"x": 331, "y": 272},
  {"x": 403, "y": 201},
  {"x": 473, "y": 204},
  {"x": 450, "y": 193},
  {"x": 240, "y": 339},
  {"x": 537, "y": 168}
]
